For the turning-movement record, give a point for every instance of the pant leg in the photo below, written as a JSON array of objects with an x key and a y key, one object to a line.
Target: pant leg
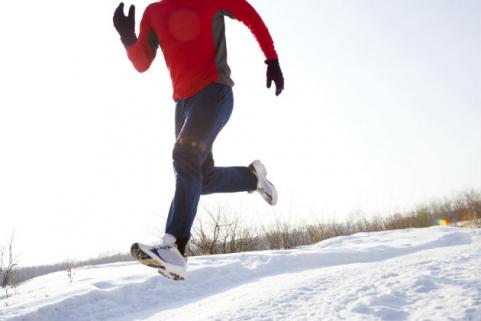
[
  {"x": 201, "y": 118},
  {"x": 226, "y": 179}
]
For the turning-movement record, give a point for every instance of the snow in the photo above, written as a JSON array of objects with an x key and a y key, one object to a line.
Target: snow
[{"x": 414, "y": 274}]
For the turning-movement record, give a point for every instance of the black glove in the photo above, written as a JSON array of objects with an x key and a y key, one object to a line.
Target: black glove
[
  {"x": 274, "y": 73},
  {"x": 125, "y": 25}
]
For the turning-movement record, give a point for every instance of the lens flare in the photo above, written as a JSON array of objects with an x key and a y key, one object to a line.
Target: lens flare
[{"x": 442, "y": 222}]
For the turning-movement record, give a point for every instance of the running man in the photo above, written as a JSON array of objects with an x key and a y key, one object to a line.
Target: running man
[{"x": 191, "y": 36}]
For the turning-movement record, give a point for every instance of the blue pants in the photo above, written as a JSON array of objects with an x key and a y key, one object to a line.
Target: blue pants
[{"x": 198, "y": 121}]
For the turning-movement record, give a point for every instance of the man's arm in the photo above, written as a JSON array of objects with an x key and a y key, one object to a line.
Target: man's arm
[
  {"x": 142, "y": 50},
  {"x": 244, "y": 12},
  {"x": 241, "y": 10}
]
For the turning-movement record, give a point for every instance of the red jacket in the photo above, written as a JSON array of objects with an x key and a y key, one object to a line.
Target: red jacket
[{"x": 191, "y": 35}]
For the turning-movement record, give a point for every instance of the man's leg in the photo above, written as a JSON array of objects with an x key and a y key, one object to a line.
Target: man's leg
[
  {"x": 199, "y": 120},
  {"x": 226, "y": 179}
]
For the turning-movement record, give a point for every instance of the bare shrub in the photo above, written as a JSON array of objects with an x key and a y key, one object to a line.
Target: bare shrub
[
  {"x": 68, "y": 268},
  {"x": 284, "y": 235},
  {"x": 424, "y": 216},
  {"x": 375, "y": 224},
  {"x": 463, "y": 207},
  {"x": 222, "y": 233},
  {"x": 8, "y": 266},
  {"x": 317, "y": 232},
  {"x": 472, "y": 202},
  {"x": 320, "y": 231}
]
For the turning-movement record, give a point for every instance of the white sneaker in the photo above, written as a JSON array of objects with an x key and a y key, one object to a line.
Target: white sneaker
[
  {"x": 165, "y": 257},
  {"x": 264, "y": 186}
]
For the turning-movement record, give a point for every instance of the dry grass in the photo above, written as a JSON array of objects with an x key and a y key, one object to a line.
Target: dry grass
[{"x": 225, "y": 232}]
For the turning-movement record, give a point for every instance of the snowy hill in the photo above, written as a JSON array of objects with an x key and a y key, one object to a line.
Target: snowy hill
[{"x": 416, "y": 274}]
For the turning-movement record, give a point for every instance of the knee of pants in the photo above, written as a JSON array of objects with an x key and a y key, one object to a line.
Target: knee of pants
[{"x": 187, "y": 159}]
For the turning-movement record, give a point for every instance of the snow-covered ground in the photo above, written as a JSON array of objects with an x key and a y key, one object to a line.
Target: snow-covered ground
[{"x": 416, "y": 274}]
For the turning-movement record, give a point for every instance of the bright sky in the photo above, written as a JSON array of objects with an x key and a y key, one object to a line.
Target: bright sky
[{"x": 382, "y": 110}]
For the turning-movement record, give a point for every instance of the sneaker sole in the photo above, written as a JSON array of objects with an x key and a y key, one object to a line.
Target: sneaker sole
[
  {"x": 261, "y": 172},
  {"x": 144, "y": 258},
  {"x": 170, "y": 275},
  {"x": 271, "y": 200}
]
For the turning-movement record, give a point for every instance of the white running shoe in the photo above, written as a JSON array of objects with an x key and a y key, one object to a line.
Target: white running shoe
[
  {"x": 264, "y": 186},
  {"x": 165, "y": 257}
]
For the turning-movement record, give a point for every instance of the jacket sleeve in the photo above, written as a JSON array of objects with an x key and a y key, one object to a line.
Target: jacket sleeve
[
  {"x": 244, "y": 12},
  {"x": 143, "y": 51}
]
